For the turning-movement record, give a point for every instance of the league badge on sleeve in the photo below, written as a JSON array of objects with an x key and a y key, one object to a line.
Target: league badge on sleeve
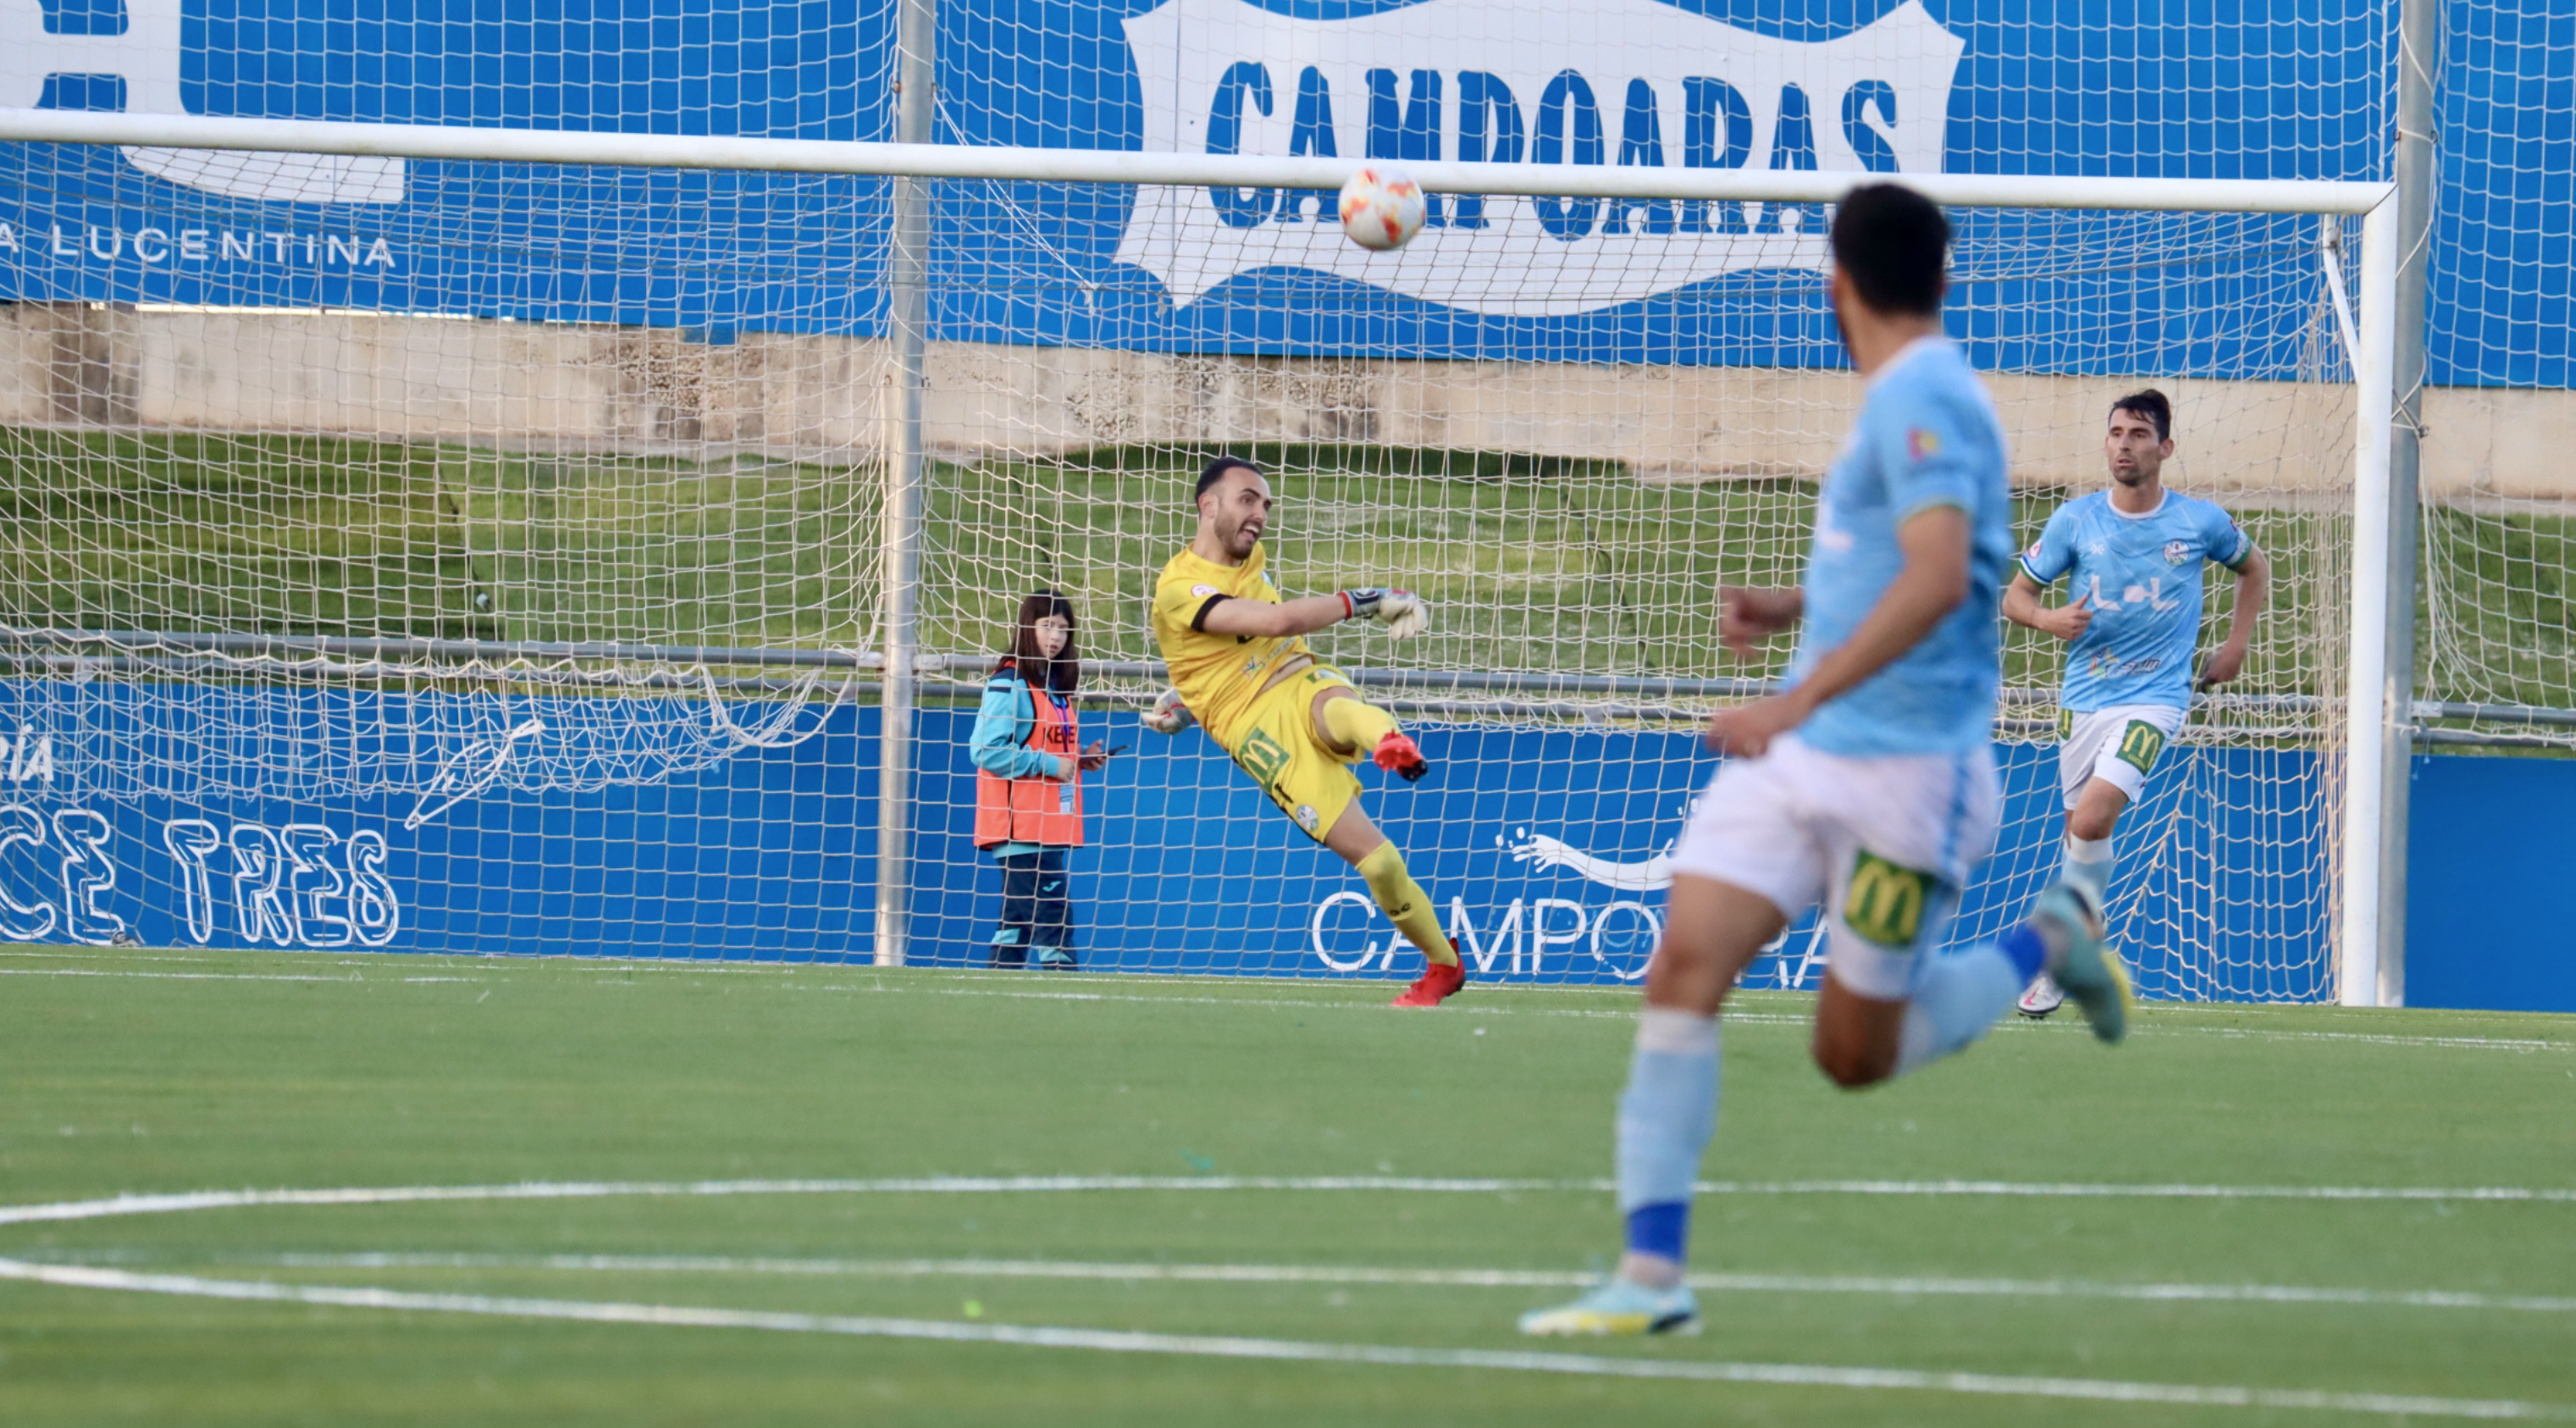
[{"x": 1922, "y": 443}]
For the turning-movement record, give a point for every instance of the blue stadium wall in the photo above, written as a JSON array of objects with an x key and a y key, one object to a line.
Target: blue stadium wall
[
  {"x": 770, "y": 856},
  {"x": 2271, "y": 89}
]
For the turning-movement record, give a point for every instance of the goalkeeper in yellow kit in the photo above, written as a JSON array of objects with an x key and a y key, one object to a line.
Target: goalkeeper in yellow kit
[{"x": 1240, "y": 668}]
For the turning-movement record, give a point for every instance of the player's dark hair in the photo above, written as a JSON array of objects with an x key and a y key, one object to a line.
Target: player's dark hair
[
  {"x": 1216, "y": 470},
  {"x": 1056, "y": 676},
  {"x": 1895, "y": 245},
  {"x": 2152, "y": 405}
]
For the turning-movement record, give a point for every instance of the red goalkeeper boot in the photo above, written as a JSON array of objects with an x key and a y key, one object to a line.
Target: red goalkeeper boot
[
  {"x": 1438, "y": 983},
  {"x": 1399, "y": 755}
]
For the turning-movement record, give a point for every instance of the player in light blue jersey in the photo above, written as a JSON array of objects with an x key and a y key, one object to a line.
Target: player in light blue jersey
[
  {"x": 2135, "y": 553},
  {"x": 1867, "y": 784}
]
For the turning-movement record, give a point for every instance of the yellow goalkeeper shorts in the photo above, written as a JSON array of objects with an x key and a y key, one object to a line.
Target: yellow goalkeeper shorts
[{"x": 1277, "y": 743}]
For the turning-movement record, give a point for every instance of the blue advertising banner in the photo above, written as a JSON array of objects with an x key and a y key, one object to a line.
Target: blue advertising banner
[
  {"x": 2280, "y": 90},
  {"x": 1544, "y": 848},
  {"x": 701, "y": 250},
  {"x": 765, "y": 856},
  {"x": 2489, "y": 845}
]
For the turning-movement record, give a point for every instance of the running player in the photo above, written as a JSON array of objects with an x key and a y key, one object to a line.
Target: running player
[
  {"x": 1867, "y": 783},
  {"x": 1241, "y": 668},
  {"x": 2136, "y": 553}
]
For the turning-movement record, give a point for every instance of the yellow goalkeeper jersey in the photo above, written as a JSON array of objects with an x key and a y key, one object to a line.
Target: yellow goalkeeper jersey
[{"x": 1219, "y": 676}]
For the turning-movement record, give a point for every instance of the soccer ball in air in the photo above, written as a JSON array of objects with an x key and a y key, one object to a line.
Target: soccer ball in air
[{"x": 1381, "y": 209}]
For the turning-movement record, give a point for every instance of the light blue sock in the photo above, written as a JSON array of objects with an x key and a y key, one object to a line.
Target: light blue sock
[
  {"x": 1957, "y": 997},
  {"x": 2089, "y": 863},
  {"x": 1666, "y": 1117}
]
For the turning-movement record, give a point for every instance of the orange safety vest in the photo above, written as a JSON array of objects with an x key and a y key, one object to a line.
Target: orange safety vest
[{"x": 1039, "y": 810}]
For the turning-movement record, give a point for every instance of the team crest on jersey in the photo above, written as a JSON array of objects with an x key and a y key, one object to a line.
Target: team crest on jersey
[
  {"x": 1921, "y": 444},
  {"x": 2176, "y": 552}
]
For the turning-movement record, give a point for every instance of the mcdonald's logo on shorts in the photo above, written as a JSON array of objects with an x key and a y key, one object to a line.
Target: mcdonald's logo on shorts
[
  {"x": 2140, "y": 743},
  {"x": 1885, "y": 903},
  {"x": 1262, "y": 757}
]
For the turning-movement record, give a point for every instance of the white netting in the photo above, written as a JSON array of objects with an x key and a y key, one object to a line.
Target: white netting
[
  {"x": 2494, "y": 654},
  {"x": 578, "y": 555},
  {"x": 1571, "y": 521},
  {"x": 271, "y": 728},
  {"x": 370, "y": 563},
  {"x": 443, "y": 489},
  {"x": 482, "y": 497}
]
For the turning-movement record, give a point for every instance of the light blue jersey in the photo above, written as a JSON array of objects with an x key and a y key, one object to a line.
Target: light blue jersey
[
  {"x": 1927, "y": 436},
  {"x": 2140, "y": 576}
]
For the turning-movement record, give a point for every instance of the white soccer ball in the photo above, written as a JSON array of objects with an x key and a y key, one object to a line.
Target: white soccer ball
[{"x": 1381, "y": 209}]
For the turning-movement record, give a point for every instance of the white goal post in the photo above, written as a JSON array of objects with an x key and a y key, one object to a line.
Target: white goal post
[
  {"x": 678, "y": 151},
  {"x": 2367, "y": 716}
]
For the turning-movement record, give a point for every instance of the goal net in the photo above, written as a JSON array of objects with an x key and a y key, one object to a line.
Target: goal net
[
  {"x": 2496, "y": 667},
  {"x": 1571, "y": 517},
  {"x": 509, "y": 573}
]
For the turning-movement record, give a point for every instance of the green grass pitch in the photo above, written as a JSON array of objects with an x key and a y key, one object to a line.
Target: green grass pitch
[{"x": 162, "y": 1072}]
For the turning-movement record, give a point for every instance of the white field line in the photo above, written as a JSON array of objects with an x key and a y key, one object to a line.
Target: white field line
[
  {"x": 1292, "y": 1350},
  {"x": 1601, "y": 1013},
  {"x": 216, "y": 976},
  {"x": 177, "y": 976},
  {"x": 1738, "y": 1017},
  {"x": 122, "y": 954},
  {"x": 2371, "y": 1038},
  {"x": 1732, "y": 1283},
  {"x": 164, "y": 1204}
]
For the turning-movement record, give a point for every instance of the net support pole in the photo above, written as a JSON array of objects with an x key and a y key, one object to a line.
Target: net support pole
[
  {"x": 908, "y": 330},
  {"x": 2371, "y": 710},
  {"x": 2419, "y": 55}
]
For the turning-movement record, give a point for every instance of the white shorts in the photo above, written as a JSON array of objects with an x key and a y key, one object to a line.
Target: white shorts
[
  {"x": 2118, "y": 745},
  {"x": 1885, "y": 843}
]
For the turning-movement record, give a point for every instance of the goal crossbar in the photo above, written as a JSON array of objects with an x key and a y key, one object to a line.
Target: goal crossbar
[{"x": 958, "y": 161}]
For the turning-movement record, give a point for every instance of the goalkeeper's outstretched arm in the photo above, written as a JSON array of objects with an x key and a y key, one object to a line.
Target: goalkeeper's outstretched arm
[{"x": 1401, "y": 611}]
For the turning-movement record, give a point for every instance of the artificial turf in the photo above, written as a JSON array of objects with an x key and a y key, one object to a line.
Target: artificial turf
[{"x": 145, "y": 1071}]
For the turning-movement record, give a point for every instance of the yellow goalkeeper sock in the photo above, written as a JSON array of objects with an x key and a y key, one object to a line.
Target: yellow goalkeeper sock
[
  {"x": 1360, "y": 724},
  {"x": 1400, "y": 897}
]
